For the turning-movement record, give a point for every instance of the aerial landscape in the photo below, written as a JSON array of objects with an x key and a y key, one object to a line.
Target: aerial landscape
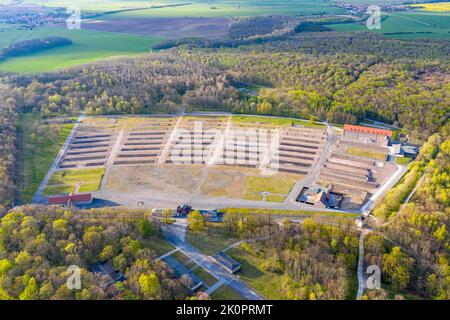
[{"x": 224, "y": 150}]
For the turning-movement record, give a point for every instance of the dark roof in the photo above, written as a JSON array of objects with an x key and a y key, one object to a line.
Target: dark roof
[
  {"x": 106, "y": 270},
  {"x": 227, "y": 261},
  {"x": 383, "y": 132},
  {"x": 70, "y": 198}
]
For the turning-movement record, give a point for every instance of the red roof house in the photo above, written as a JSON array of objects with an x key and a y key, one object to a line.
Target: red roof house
[{"x": 85, "y": 198}]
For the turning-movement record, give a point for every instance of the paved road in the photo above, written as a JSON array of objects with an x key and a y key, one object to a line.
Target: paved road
[
  {"x": 361, "y": 272},
  {"x": 156, "y": 199},
  {"x": 38, "y": 198},
  {"x": 315, "y": 171},
  {"x": 171, "y": 232},
  {"x": 401, "y": 170},
  {"x": 112, "y": 156}
]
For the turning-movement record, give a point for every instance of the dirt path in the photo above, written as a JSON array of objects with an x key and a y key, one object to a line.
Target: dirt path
[
  {"x": 38, "y": 198},
  {"x": 111, "y": 158}
]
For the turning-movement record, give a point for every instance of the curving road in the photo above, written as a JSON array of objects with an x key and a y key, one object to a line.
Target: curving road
[{"x": 174, "y": 234}]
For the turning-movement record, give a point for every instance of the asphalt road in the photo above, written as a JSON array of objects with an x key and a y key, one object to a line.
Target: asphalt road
[
  {"x": 172, "y": 234},
  {"x": 38, "y": 198}
]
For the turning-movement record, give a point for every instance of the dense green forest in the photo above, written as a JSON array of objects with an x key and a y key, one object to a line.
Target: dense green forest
[
  {"x": 413, "y": 248},
  {"x": 38, "y": 243}
]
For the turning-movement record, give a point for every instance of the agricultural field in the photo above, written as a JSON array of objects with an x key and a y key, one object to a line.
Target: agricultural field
[
  {"x": 196, "y": 8},
  {"x": 407, "y": 25},
  {"x": 88, "y": 46},
  {"x": 434, "y": 6}
]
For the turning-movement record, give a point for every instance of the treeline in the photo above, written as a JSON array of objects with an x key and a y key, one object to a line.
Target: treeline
[
  {"x": 29, "y": 46},
  {"x": 8, "y": 136},
  {"x": 413, "y": 250},
  {"x": 38, "y": 244},
  {"x": 154, "y": 83}
]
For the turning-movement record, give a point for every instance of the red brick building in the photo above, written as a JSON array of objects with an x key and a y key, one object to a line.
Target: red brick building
[
  {"x": 75, "y": 199},
  {"x": 378, "y": 136}
]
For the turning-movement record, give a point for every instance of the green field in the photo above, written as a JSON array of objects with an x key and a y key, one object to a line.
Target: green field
[
  {"x": 225, "y": 293},
  {"x": 277, "y": 186},
  {"x": 407, "y": 25},
  {"x": 218, "y": 239},
  {"x": 41, "y": 143},
  {"x": 197, "y": 8},
  {"x": 87, "y": 46},
  {"x": 67, "y": 181},
  {"x": 266, "y": 283},
  {"x": 274, "y": 121}
]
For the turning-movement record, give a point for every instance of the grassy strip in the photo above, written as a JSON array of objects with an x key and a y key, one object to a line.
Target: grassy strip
[
  {"x": 359, "y": 152},
  {"x": 40, "y": 144},
  {"x": 211, "y": 240},
  {"x": 207, "y": 279},
  {"x": 275, "y": 198},
  {"x": 289, "y": 212},
  {"x": 225, "y": 293},
  {"x": 275, "y": 121},
  {"x": 65, "y": 181},
  {"x": 402, "y": 160}
]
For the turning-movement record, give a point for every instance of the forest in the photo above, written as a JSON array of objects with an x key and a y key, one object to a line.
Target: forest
[
  {"x": 38, "y": 243},
  {"x": 413, "y": 247},
  {"x": 8, "y": 134}
]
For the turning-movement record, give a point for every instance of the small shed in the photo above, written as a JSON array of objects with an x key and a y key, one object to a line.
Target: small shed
[{"x": 226, "y": 262}]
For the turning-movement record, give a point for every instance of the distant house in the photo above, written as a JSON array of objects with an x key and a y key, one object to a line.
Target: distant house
[
  {"x": 378, "y": 136},
  {"x": 75, "y": 199},
  {"x": 320, "y": 197},
  {"x": 227, "y": 262},
  {"x": 108, "y": 272}
]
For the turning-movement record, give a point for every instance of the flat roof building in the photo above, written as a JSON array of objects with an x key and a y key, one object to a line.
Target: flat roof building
[
  {"x": 227, "y": 262},
  {"x": 378, "y": 136}
]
